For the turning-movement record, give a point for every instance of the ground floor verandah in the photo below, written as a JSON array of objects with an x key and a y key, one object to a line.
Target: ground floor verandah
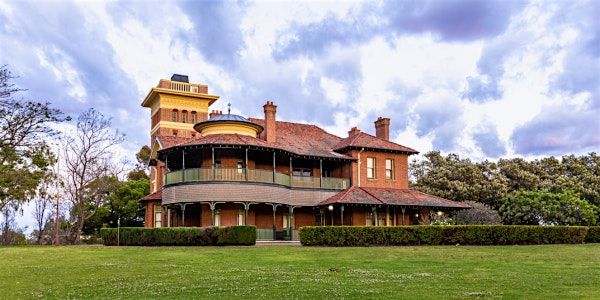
[{"x": 282, "y": 221}]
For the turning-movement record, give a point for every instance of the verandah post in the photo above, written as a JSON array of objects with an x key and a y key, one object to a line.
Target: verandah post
[
  {"x": 183, "y": 165},
  {"x": 321, "y": 173},
  {"x": 274, "y": 168},
  {"x": 274, "y": 220},
  {"x": 183, "y": 213},
  {"x": 246, "y": 165},
  {"x": 213, "y": 163}
]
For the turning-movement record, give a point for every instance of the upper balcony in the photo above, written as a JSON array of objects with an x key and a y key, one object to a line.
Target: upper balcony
[
  {"x": 183, "y": 86},
  {"x": 256, "y": 176}
]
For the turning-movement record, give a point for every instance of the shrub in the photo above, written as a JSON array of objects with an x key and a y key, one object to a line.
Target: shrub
[
  {"x": 179, "y": 236},
  {"x": 441, "y": 235},
  {"x": 479, "y": 214},
  {"x": 236, "y": 235},
  {"x": 593, "y": 235}
]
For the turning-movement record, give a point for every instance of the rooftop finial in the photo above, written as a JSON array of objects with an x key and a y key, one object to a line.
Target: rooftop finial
[{"x": 229, "y": 108}]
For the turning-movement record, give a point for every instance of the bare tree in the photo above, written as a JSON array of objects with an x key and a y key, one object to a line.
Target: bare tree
[
  {"x": 47, "y": 193},
  {"x": 88, "y": 157}
]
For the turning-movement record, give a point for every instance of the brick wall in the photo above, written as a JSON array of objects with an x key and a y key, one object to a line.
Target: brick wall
[
  {"x": 149, "y": 213},
  {"x": 400, "y": 180},
  {"x": 304, "y": 216}
]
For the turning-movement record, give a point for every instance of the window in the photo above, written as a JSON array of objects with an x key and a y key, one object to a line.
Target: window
[
  {"x": 240, "y": 167},
  {"x": 287, "y": 221},
  {"x": 389, "y": 169},
  {"x": 240, "y": 219},
  {"x": 193, "y": 117},
  {"x": 174, "y": 116},
  {"x": 184, "y": 116},
  {"x": 157, "y": 216},
  {"x": 302, "y": 172},
  {"x": 370, "y": 219},
  {"x": 370, "y": 167}
]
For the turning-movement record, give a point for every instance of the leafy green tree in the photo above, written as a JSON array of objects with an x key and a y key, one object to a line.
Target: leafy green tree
[
  {"x": 459, "y": 179},
  {"x": 142, "y": 157},
  {"x": 25, "y": 157},
  {"x": 545, "y": 208},
  {"x": 123, "y": 203}
]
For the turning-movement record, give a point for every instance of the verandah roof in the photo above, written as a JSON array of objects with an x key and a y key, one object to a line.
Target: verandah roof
[{"x": 390, "y": 196}]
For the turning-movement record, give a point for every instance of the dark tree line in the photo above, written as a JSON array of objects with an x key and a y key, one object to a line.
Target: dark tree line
[{"x": 504, "y": 185}]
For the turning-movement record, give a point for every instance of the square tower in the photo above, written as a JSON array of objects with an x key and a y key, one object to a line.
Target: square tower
[{"x": 176, "y": 105}]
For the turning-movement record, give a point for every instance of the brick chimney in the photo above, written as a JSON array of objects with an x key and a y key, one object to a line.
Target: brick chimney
[
  {"x": 270, "y": 124},
  {"x": 382, "y": 128},
  {"x": 214, "y": 113},
  {"x": 353, "y": 131}
]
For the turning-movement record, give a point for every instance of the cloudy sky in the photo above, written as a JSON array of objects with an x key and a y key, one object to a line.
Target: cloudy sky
[{"x": 485, "y": 79}]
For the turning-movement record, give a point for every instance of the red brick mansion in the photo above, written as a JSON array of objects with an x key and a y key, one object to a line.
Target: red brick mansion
[{"x": 221, "y": 169}]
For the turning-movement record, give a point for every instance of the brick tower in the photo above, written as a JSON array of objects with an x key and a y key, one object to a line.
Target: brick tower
[{"x": 176, "y": 105}]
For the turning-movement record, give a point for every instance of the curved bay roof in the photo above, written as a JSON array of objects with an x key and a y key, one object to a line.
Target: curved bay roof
[{"x": 227, "y": 118}]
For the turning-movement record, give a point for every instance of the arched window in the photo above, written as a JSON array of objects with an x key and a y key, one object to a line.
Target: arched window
[
  {"x": 174, "y": 116},
  {"x": 184, "y": 116},
  {"x": 194, "y": 118}
]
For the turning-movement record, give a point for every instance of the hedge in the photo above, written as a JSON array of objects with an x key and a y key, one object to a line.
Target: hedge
[
  {"x": 593, "y": 235},
  {"x": 341, "y": 236},
  {"x": 179, "y": 236}
]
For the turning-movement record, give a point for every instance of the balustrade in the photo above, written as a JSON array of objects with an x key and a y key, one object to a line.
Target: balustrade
[{"x": 255, "y": 175}]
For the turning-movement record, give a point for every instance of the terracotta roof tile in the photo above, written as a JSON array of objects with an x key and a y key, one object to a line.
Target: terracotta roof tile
[
  {"x": 353, "y": 195},
  {"x": 301, "y": 139},
  {"x": 154, "y": 196},
  {"x": 230, "y": 139},
  {"x": 304, "y": 139},
  {"x": 389, "y": 196},
  {"x": 361, "y": 139},
  {"x": 170, "y": 141}
]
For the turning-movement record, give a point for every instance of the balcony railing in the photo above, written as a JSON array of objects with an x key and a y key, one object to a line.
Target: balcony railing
[
  {"x": 255, "y": 175},
  {"x": 182, "y": 86}
]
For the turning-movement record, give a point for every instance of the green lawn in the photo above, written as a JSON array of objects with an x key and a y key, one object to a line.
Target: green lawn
[{"x": 276, "y": 272}]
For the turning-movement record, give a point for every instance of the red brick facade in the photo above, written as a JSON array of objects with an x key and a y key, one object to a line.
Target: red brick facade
[
  {"x": 298, "y": 151},
  {"x": 399, "y": 169}
]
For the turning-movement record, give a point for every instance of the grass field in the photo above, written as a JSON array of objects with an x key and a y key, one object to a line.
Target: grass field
[{"x": 275, "y": 272}]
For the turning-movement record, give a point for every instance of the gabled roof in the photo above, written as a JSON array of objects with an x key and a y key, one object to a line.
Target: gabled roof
[
  {"x": 390, "y": 196},
  {"x": 353, "y": 195},
  {"x": 365, "y": 140},
  {"x": 154, "y": 196}
]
